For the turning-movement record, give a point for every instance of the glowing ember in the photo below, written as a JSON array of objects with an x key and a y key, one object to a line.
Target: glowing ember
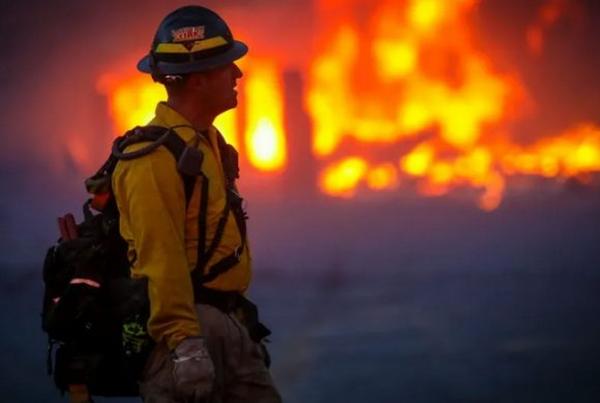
[
  {"x": 264, "y": 116},
  {"x": 342, "y": 179},
  {"x": 383, "y": 176},
  {"x": 418, "y": 161}
]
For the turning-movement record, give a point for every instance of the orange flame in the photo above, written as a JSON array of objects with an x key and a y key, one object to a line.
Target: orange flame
[
  {"x": 404, "y": 76},
  {"x": 571, "y": 153},
  {"x": 412, "y": 73},
  {"x": 264, "y": 119},
  {"x": 342, "y": 178}
]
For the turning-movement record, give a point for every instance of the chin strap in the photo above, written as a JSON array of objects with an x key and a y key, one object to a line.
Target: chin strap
[{"x": 158, "y": 77}]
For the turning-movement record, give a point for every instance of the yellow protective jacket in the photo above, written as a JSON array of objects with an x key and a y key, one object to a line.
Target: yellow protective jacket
[{"x": 163, "y": 236}]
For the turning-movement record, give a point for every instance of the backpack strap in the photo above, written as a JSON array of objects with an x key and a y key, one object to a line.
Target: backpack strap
[
  {"x": 233, "y": 204},
  {"x": 167, "y": 137},
  {"x": 100, "y": 183},
  {"x": 158, "y": 136},
  {"x": 187, "y": 158}
]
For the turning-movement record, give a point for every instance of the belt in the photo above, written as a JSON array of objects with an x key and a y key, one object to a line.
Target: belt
[
  {"x": 226, "y": 301},
  {"x": 231, "y": 301}
]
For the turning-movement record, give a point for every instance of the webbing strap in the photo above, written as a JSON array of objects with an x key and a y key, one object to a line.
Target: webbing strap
[
  {"x": 176, "y": 146},
  {"x": 202, "y": 216},
  {"x": 220, "y": 267},
  {"x": 216, "y": 238},
  {"x": 224, "y": 264},
  {"x": 158, "y": 135},
  {"x": 167, "y": 137},
  {"x": 233, "y": 204}
]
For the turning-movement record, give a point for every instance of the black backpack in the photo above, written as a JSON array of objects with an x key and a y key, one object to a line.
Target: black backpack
[{"x": 92, "y": 309}]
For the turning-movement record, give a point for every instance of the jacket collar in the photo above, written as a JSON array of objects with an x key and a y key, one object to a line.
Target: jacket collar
[{"x": 168, "y": 117}]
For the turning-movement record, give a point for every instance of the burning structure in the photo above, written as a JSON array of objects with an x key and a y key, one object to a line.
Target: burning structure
[{"x": 398, "y": 95}]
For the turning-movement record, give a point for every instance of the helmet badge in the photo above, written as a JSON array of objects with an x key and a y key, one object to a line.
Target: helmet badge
[{"x": 188, "y": 34}]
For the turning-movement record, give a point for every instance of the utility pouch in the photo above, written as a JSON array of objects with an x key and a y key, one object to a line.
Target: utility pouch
[
  {"x": 72, "y": 367},
  {"x": 132, "y": 312},
  {"x": 71, "y": 309},
  {"x": 233, "y": 302},
  {"x": 248, "y": 313},
  {"x": 101, "y": 370},
  {"x": 95, "y": 312},
  {"x": 106, "y": 351},
  {"x": 190, "y": 161}
]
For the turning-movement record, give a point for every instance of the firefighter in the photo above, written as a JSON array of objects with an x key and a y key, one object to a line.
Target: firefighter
[{"x": 194, "y": 253}]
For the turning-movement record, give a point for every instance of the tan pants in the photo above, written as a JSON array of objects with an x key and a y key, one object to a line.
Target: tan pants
[{"x": 241, "y": 374}]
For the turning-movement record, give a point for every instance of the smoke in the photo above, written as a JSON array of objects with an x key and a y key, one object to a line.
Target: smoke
[
  {"x": 549, "y": 15},
  {"x": 562, "y": 82}
]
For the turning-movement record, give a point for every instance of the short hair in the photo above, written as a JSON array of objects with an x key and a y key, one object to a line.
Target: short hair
[{"x": 172, "y": 83}]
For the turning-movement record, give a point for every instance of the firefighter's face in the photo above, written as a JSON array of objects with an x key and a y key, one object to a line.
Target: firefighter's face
[{"x": 217, "y": 87}]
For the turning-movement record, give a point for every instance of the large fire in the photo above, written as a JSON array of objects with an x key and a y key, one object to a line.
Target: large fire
[
  {"x": 411, "y": 73},
  {"x": 398, "y": 93}
]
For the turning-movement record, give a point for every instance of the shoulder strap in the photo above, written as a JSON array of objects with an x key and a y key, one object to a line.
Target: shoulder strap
[
  {"x": 161, "y": 136},
  {"x": 229, "y": 159},
  {"x": 233, "y": 204},
  {"x": 158, "y": 136}
]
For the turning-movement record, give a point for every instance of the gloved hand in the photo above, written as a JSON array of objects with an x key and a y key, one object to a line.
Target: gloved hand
[{"x": 193, "y": 370}]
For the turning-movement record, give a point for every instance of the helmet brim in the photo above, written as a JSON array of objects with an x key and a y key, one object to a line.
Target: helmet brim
[{"x": 235, "y": 52}]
